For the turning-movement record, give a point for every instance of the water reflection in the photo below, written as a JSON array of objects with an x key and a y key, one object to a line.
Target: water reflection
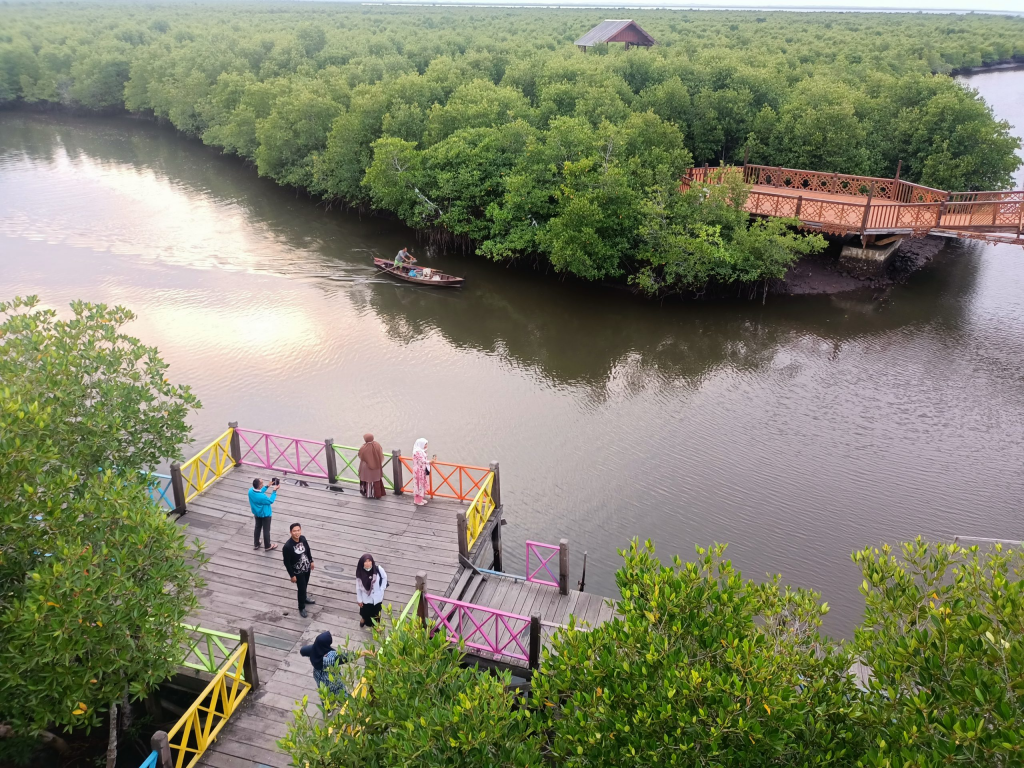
[{"x": 798, "y": 430}]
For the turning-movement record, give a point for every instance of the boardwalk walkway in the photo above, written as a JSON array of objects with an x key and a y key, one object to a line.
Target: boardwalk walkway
[
  {"x": 247, "y": 587},
  {"x": 842, "y": 204}
]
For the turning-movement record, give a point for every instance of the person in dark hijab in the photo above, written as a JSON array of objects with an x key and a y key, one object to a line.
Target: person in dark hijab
[
  {"x": 371, "y": 581},
  {"x": 326, "y": 662},
  {"x": 371, "y": 468}
]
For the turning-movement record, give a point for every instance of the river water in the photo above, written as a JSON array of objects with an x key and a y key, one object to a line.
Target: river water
[{"x": 797, "y": 431}]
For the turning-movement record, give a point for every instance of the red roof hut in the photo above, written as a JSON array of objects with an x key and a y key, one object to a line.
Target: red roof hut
[{"x": 616, "y": 31}]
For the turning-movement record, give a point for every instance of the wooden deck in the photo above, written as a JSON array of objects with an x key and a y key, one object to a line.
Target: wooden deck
[
  {"x": 247, "y": 587},
  {"x": 841, "y": 204}
]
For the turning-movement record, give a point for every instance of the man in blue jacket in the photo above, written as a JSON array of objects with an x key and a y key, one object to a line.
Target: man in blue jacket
[{"x": 260, "y": 499}]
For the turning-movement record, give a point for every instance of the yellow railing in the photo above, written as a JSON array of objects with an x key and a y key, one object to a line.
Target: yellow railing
[
  {"x": 202, "y": 721},
  {"x": 207, "y": 466},
  {"x": 479, "y": 511}
]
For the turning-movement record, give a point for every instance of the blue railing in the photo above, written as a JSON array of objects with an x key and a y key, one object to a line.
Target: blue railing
[
  {"x": 150, "y": 761},
  {"x": 160, "y": 490}
]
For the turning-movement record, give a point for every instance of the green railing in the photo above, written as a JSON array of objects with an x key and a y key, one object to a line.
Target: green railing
[
  {"x": 206, "y": 650},
  {"x": 348, "y": 466}
]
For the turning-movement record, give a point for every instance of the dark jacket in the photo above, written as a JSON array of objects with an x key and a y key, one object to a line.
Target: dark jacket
[{"x": 296, "y": 562}]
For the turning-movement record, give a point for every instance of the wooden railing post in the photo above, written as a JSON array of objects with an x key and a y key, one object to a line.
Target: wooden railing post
[
  {"x": 940, "y": 213},
  {"x": 421, "y": 586},
  {"x": 332, "y": 461},
  {"x": 249, "y": 671},
  {"x": 799, "y": 205},
  {"x": 463, "y": 534},
  {"x": 496, "y": 486},
  {"x": 563, "y": 566},
  {"x": 867, "y": 212},
  {"x": 534, "y": 642},
  {"x": 496, "y": 563},
  {"x": 177, "y": 488},
  {"x": 159, "y": 744},
  {"x": 396, "y": 472},
  {"x": 236, "y": 444}
]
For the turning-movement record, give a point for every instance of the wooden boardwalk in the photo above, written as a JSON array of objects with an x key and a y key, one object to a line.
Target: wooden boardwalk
[
  {"x": 841, "y": 204},
  {"x": 247, "y": 587}
]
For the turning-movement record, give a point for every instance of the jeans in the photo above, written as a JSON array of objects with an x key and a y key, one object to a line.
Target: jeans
[
  {"x": 301, "y": 580},
  {"x": 262, "y": 524}
]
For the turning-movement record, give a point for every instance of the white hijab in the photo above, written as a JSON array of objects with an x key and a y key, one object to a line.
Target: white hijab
[{"x": 420, "y": 447}]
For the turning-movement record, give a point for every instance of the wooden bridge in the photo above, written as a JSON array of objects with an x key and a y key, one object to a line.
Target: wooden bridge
[
  {"x": 841, "y": 204},
  {"x": 444, "y": 561}
]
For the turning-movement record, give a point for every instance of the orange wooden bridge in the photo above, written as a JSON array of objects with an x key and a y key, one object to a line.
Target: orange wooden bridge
[{"x": 841, "y": 204}]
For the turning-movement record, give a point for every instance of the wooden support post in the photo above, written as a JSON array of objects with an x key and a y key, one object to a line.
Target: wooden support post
[
  {"x": 940, "y": 213},
  {"x": 563, "y": 566},
  {"x": 463, "y": 534},
  {"x": 236, "y": 444},
  {"x": 396, "y": 472},
  {"x": 496, "y": 564},
  {"x": 249, "y": 670},
  {"x": 421, "y": 587},
  {"x": 899, "y": 167},
  {"x": 177, "y": 488},
  {"x": 332, "y": 461},
  {"x": 154, "y": 709},
  {"x": 534, "y": 642},
  {"x": 746, "y": 156},
  {"x": 496, "y": 487},
  {"x": 159, "y": 744},
  {"x": 867, "y": 211},
  {"x": 799, "y": 205}
]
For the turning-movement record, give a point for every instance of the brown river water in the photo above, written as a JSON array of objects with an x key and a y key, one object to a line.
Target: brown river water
[{"x": 797, "y": 431}]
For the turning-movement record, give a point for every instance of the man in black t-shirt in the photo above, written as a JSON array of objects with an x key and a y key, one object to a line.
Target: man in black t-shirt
[{"x": 298, "y": 561}]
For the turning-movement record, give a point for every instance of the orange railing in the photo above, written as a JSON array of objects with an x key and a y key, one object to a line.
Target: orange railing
[
  {"x": 449, "y": 481},
  {"x": 872, "y": 204}
]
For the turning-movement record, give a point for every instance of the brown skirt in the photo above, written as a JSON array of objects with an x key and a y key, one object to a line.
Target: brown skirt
[{"x": 373, "y": 490}]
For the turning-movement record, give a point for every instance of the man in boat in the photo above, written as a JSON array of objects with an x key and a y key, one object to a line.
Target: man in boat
[{"x": 404, "y": 258}]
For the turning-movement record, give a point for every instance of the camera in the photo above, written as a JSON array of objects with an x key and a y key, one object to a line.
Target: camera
[{"x": 275, "y": 481}]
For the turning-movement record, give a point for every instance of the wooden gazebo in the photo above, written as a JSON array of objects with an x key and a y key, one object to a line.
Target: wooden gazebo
[{"x": 616, "y": 31}]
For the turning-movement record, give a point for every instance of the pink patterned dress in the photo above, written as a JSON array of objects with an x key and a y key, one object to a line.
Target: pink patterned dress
[{"x": 420, "y": 467}]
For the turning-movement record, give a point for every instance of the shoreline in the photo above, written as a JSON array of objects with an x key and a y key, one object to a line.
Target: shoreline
[
  {"x": 815, "y": 275},
  {"x": 820, "y": 275}
]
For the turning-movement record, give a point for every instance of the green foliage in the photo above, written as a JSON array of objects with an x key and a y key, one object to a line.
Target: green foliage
[
  {"x": 704, "y": 669},
  {"x": 700, "y": 668},
  {"x": 518, "y": 143},
  {"x": 944, "y": 636},
  {"x": 704, "y": 236},
  {"x": 94, "y": 579},
  {"x": 422, "y": 709}
]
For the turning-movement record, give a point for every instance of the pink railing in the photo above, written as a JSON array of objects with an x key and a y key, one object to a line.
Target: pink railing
[
  {"x": 538, "y": 575},
  {"x": 291, "y": 455},
  {"x": 482, "y": 628},
  {"x": 449, "y": 481}
]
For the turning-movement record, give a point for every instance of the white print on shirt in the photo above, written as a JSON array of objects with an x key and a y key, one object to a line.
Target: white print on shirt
[{"x": 302, "y": 563}]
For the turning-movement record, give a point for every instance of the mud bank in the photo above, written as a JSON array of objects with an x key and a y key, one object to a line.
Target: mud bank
[{"x": 821, "y": 273}]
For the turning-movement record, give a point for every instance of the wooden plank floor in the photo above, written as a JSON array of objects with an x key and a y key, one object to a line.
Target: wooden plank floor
[{"x": 247, "y": 587}]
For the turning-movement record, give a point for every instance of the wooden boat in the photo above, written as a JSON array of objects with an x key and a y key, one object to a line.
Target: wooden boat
[{"x": 435, "y": 280}]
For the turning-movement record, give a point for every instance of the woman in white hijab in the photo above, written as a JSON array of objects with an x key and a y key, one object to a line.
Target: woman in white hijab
[{"x": 420, "y": 472}]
